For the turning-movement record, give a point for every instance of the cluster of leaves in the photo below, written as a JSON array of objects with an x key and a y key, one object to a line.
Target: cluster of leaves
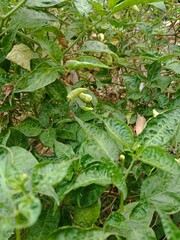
[{"x": 74, "y": 77}]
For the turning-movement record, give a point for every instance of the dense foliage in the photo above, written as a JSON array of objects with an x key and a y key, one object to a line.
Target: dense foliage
[{"x": 89, "y": 120}]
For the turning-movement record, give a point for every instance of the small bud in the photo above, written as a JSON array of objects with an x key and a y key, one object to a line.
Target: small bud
[
  {"x": 101, "y": 37},
  {"x": 93, "y": 35},
  {"x": 122, "y": 157},
  {"x": 135, "y": 8},
  {"x": 155, "y": 113}
]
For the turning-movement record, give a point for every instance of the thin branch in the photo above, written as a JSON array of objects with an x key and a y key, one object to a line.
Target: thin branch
[{"x": 13, "y": 10}]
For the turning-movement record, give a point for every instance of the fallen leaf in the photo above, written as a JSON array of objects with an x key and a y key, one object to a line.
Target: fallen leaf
[{"x": 140, "y": 122}]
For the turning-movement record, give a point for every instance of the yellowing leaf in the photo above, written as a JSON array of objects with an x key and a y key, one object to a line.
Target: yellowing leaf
[{"x": 21, "y": 55}]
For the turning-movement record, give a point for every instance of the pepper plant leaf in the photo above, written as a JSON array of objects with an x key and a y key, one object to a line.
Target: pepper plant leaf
[
  {"x": 161, "y": 159},
  {"x": 160, "y": 129}
]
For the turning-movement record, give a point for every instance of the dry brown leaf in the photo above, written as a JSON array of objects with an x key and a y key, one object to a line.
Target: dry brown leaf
[
  {"x": 72, "y": 78},
  {"x": 140, "y": 122}
]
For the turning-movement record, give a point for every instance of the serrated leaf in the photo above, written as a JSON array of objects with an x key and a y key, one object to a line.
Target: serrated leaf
[
  {"x": 85, "y": 62},
  {"x": 128, "y": 3},
  {"x": 159, "y": 158},
  {"x": 21, "y": 55},
  {"x": 83, "y": 7},
  {"x": 162, "y": 191},
  {"x": 63, "y": 151},
  {"x": 129, "y": 229},
  {"x": 29, "y": 127},
  {"x": 72, "y": 233},
  {"x": 99, "y": 143},
  {"x": 170, "y": 229},
  {"x": 38, "y": 78},
  {"x": 161, "y": 129},
  {"x": 120, "y": 132}
]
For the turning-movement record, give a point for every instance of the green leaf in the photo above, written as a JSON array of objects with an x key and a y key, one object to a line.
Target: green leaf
[
  {"x": 128, "y": 3},
  {"x": 7, "y": 227},
  {"x": 112, "y": 3},
  {"x": 43, "y": 3},
  {"x": 49, "y": 173},
  {"x": 85, "y": 62},
  {"x": 57, "y": 91},
  {"x": 29, "y": 127},
  {"x": 30, "y": 18},
  {"x": 87, "y": 216},
  {"x": 6, "y": 202},
  {"x": 142, "y": 212},
  {"x": 50, "y": 48},
  {"x": 63, "y": 151},
  {"x": 30, "y": 208},
  {"x": 18, "y": 139},
  {"x": 47, "y": 137},
  {"x": 72, "y": 233},
  {"x": 97, "y": 47},
  {"x": 129, "y": 229},
  {"x": 23, "y": 160},
  {"x": 120, "y": 132},
  {"x": 83, "y": 6},
  {"x": 161, "y": 129},
  {"x": 159, "y": 158},
  {"x": 38, "y": 78},
  {"x": 6, "y": 43},
  {"x": 162, "y": 191},
  {"x": 46, "y": 223},
  {"x": 89, "y": 195},
  {"x": 159, "y": 5},
  {"x": 100, "y": 174},
  {"x": 170, "y": 229},
  {"x": 173, "y": 65},
  {"x": 100, "y": 144}
]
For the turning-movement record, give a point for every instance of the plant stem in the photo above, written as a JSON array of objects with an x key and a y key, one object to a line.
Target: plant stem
[
  {"x": 85, "y": 31},
  {"x": 129, "y": 169},
  {"x": 18, "y": 234},
  {"x": 121, "y": 203},
  {"x": 13, "y": 10},
  {"x": 27, "y": 37}
]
